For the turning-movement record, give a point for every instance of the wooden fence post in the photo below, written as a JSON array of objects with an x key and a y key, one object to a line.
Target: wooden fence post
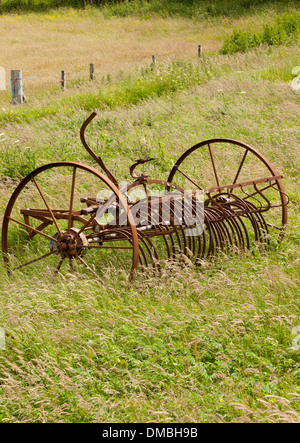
[
  {"x": 63, "y": 80},
  {"x": 2, "y": 78},
  {"x": 2, "y": 336},
  {"x": 92, "y": 71},
  {"x": 16, "y": 81}
]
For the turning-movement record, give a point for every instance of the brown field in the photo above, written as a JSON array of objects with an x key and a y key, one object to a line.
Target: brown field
[{"x": 43, "y": 45}]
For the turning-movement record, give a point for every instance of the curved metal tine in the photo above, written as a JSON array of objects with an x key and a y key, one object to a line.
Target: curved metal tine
[
  {"x": 47, "y": 205},
  {"x": 241, "y": 204},
  {"x": 96, "y": 157},
  {"x": 165, "y": 230},
  {"x": 220, "y": 207},
  {"x": 143, "y": 242},
  {"x": 249, "y": 214},
  {"x": 230, "y": 237},
  {"x": 283, "y": 193},
  {"x": 257, "y": 219},
  {"x": 248, "y": 196},
  {"x": 258, "y": 222},
  {"x": 141, "y": 161},
  {"x": 213, "y": 245},
  {"x": 264, "y": 197},
  {"x": 263, "y": 189},
  {"x": 261, "y": 226},
  {"x": 241, "y": 227},
  {"x": 154, "y": 254},
  {"x": 217, "y": 227}
]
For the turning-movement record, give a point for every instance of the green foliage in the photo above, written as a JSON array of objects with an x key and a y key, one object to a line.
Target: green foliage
[
  {"x": 241, "y": 41},
  {"x": 194, "y": 9},
  {"x": 286, "y": 29},
  {"x": 16, "y": 162}
]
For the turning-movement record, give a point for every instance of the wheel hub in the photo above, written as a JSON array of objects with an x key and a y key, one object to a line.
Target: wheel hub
[{"x": 69, "y": 244}]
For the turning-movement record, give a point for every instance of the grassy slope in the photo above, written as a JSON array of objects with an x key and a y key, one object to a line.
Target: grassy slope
[{"x": 205, "y": 344}]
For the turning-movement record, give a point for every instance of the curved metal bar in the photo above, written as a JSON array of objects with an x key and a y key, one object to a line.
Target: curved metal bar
[
  {"x": 96, "y": 157},
  {"x": 141, "y": 161}
]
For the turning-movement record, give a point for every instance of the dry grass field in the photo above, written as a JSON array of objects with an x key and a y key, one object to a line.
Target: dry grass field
[{"x": 44, "y": 44}]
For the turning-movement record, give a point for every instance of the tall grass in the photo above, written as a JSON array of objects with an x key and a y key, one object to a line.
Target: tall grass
[
  {"x": 152, "y": 82},
  {"x": 286, "y": 29},
  {"x": 129, "y": 90},
  {"x": 163, "y": 8}
]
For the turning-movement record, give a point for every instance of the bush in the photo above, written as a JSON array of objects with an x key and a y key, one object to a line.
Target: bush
[
  {"x": 240, "y": 41},
  {"x": 286, "y": 29}
]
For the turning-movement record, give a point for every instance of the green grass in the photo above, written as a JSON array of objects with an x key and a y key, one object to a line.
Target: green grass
[
  {"x": 205, "y": 344},
  {"x": 192, "y": 9},
  {"x": 285, "y": 30},
  {"x": 129, "y": 90}
]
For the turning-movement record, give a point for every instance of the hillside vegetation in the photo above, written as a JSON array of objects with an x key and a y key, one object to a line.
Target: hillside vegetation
[{"x": 211, "y": 343}]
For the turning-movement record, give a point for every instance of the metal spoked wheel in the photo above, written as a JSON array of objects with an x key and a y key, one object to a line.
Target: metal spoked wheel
[
  {"x": 49, "y": 223},
  {"x": 241, "y": 191}
]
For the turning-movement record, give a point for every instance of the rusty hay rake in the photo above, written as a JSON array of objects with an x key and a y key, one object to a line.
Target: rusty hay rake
[{"x": 68, "y": 212}]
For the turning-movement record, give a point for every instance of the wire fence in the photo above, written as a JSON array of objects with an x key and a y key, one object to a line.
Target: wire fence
[{"x": 17, "y": 81}]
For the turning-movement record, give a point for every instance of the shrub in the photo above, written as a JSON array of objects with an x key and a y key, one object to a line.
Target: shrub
[
  {"x": 240, "y": 41},
  {"x": 286, "y": 29}
]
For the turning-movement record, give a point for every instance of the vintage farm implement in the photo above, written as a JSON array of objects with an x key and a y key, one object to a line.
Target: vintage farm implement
[{"x": 68, "y": 212}]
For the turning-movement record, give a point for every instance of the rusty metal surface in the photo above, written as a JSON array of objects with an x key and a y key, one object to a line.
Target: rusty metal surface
[{"x": 236, "y": 213}]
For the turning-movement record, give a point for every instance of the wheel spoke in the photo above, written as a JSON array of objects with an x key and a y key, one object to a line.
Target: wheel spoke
[
  {"x": 48, "y": 207},
  {"x": 85, "y": 226},
  {"x": 71, "y": 200},
  {"x": 59, "y": 265},
  {"x": 240, "y": 167},
  {"x": 89, "y": 268},
  {"x": 31, "y": 228},
  {"x": 106, "y": 247},
  {"x": 213, "y": 163},
  {"x": 36, "y": 259},
  {"x": 189, "y": 178},
  {"x": 71, "y": 264}
]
